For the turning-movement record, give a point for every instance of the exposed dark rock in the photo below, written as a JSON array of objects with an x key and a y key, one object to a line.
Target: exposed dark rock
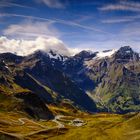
[{"x": 34, "y": 106}]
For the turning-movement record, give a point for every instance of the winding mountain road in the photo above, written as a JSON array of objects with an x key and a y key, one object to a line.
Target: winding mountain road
[
  {"x": 58, "y": 117},
  {"x": 22, "y": 121}
]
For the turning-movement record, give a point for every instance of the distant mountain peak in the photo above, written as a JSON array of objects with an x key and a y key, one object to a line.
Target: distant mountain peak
[
  {"x": 125, "y": 54},
  {"x": 54, "y": 55},
  {"x": 125, "y": 49},
  {"x": 86, "y": 54},
  {"x": 40, "y": 54}
]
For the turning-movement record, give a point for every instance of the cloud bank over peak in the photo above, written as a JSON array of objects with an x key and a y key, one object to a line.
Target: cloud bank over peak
[{"x": 26, "y": 47}]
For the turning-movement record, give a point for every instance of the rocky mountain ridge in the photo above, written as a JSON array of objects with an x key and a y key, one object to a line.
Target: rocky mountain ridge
[{"x": 105, "y": 81}]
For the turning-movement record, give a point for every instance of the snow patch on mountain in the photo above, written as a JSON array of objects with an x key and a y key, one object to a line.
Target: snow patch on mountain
[
  {"x": 107, "y": 53},
  {"x": 99, "y": 55},
  {"x": 57, "y": 56}
]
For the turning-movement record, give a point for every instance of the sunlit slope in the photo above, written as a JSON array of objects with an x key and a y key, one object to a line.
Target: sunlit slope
[{"x": 105, "y": 127}]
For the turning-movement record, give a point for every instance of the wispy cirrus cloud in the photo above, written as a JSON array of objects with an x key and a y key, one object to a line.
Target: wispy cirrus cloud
[
  {"x": 12, "y": 4},
  {"x": 65, "y": 22},
  {"x": 116, "y": 20},
  {"x": 121, "y": 19},
  {"x": 131, "y": 31},
  {"x": 52, "y": 3},
  {"x": 122, "y": 6},
  {"x": 30, "y": 29}
]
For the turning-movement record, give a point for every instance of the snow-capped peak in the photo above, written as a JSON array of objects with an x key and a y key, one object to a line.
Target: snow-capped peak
[
  {"x": 107, "y": 53},
  {"x": 54, "y": 55}
]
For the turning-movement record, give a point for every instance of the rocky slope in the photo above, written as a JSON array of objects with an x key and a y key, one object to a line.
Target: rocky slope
[
  {"x": 110, "y": 78},
  {"x": 117, "y": 81},
  {"x": 34, "y": 82},
  {"x": 46, "y": 70},
  {"x": 14, "y": 97}
]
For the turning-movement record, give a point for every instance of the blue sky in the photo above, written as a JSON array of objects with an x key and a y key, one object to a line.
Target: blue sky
[{"x": 82, "y": 24}]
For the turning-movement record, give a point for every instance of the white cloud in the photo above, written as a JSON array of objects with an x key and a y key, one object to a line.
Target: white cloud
[
  {"x": 30, "y": 29},
  {"x": 74, "y": 51},
  {"x": 112, "y": 7},
  {"x": 25, "y": 47},
  {"x": 52, "y": 3},
  {"x": 123, "y": 6}
]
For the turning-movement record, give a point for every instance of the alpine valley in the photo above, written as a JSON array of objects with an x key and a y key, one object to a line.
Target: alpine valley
[{"x": 91, "y": 95}]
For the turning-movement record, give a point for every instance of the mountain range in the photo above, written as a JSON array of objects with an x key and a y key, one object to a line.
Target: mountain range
[{"x": 107, "y": 81}]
